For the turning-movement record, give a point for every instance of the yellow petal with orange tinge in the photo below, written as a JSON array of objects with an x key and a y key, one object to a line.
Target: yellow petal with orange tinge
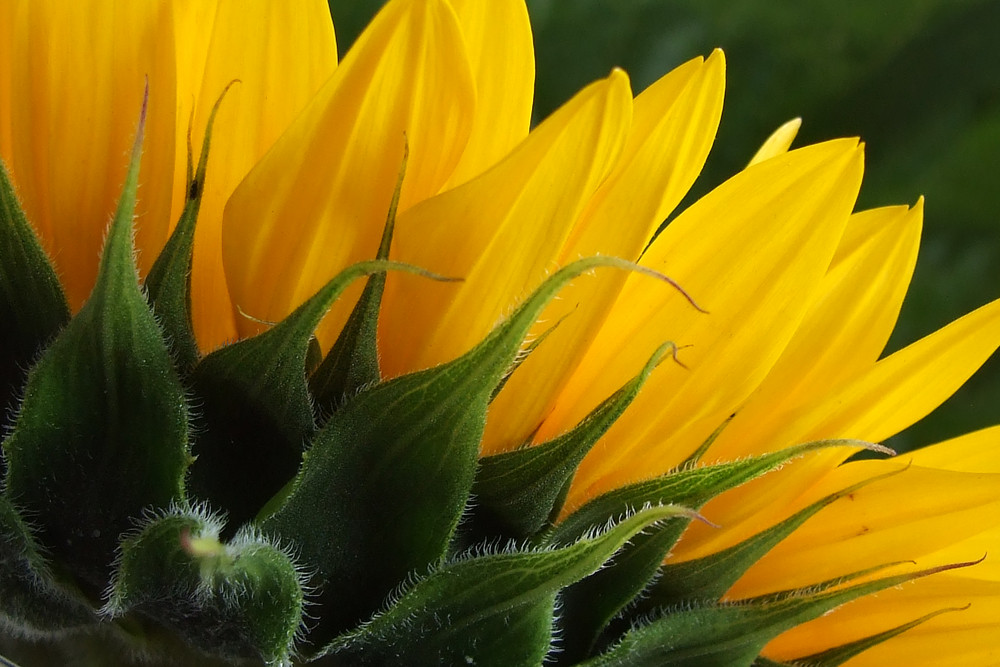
[
  {"x": 8, "y": 17},
  {"x": 278, "y": 72},
  {"x": 673, "y": 127},
  {"x": 78, "y": 72},
  {"x": 953, "y": 639},
  {"x": 902, "y": 517},
  {"x": 778, "y": 143},
  {"x": 498, "y": 41},
  {"x": 501, "y": 232},
  {"x": 318, "y": 200},
  {"x": 758, "y": 244}
]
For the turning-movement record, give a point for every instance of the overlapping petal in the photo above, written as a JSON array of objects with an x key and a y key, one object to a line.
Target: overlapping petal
[
  {"x": 77, "y": 72},
  {"x": 317, "y": 201},
  {"x": 296, "y": 55},
  {"x": 672, "y": 130},
  {"x": 965, "y": 635},
  {"x": 757, "y": 245},
  {"x": 501, "y": 232},
  {"x": 921, "y": 517},
  {"x": 497, "y": 36}
]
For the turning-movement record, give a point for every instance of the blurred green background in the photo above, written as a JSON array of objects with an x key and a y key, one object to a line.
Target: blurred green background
[{"x": 919, "y": 80}]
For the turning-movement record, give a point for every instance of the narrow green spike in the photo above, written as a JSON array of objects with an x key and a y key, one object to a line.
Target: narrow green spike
[
  {"x": 402, "y": 453},
  {"x": 168, "y": 285},
  {"x": 486, "y": 610},
  {"x": 522, "y": 356},
  {"x": 241, "y": 600},
  {"x": 696, "y": 455},
  {"x": 353, "y": 360},
  {"x": 32, "y": 305},
  {"x": 516, "y": 492},
  {"x": 834, "y": 657},
  {"x": 34, "y": 603},
  {"x": 255, "y": 405},
  {"x": 710, "y": 577},
  {"x": 729, "y": 635},
  {"x": 690, "y": 487},
  {"x": 103, "y": 410},
  {"x": 826, "y": 585}
]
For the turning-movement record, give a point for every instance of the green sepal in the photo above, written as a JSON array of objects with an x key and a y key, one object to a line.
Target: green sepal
[
  {"x": 493, "y": 609},
  {"x": 102, "y": 432},
  {"x": 709, "y": 577},
  {"x": 400, "y": 454},
  {"x": 763, "y": 661},
  {"x": 352, "y": 362},
  {"x": 256, "y": 412},
  {"x": 32, "y": 304},
  {"x": 712, "y": 634},
  {"x": 592, "y": 604},
  {"x": 168, "y": 285},
  {"x": 35, "y": 605},
  {"x": 517, "y": 492},
  {"x": 595, "y": 602},
  {"x": 838, "y": 655},
  {"x": 243, "y": 599},
  {"x": 695, "y": 457}
]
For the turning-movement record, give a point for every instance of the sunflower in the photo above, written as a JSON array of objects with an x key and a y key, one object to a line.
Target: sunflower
[{"x": 538, "y": 430}]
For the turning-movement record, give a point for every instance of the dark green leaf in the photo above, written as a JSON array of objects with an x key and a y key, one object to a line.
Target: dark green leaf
[
  {"x": 486, "y": 610},
  {"x": 255, "y": 405},
  {"x": 591, "y": 604},
  {"x": 239, "y": 600},
  {"x": 102, "y": 432},
  {"x": 168, "y": 285},
  {"x": 32, "y": 305},
  {"x": 516, "y": 492},
  {"x": 33, "y": 603},
  {"x": 401, "y": 456}
]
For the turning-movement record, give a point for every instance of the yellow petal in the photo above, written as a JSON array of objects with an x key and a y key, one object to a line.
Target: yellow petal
[
  {"x": 892, "y": 395},
  {"x": 908, "y": 384},
  {"x": 972, "y": 452},
  {"x": 902, "y": 517},
  {"x": 498, "y": 40},
  {"x": 75, "y": 91},
  {"x": 757, "y": 245},
  {"x": 9, "y": 18},
  {"x": 281, "y": 53},
  {"x": 954, "y": 639},
  {"x": 673, "y": 127},
  {"x": 842, "y": 336},
  {"x": 501, "y": 232},
  {"x": 302, "y": 213},
  {"x": 778, "y": 143}
]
